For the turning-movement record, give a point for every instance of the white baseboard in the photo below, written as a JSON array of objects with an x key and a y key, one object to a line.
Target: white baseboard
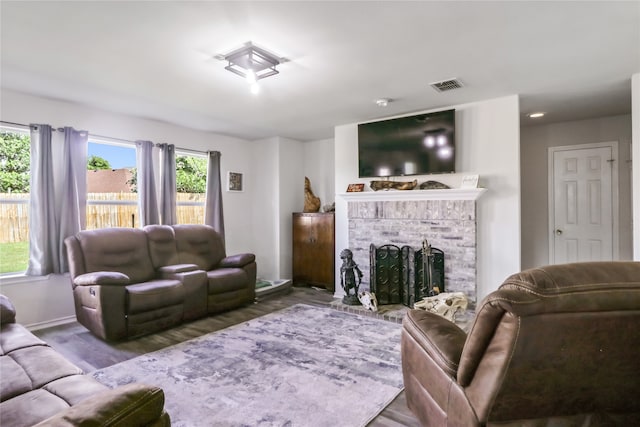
[{"x": 51, "y": 323}]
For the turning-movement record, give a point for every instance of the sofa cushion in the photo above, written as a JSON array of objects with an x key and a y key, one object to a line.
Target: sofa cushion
[
  {"x": 15, "y": 381},
  {"x": 155, "y": 294},
  {"x": 223, "y": 280},
  {"x": 31, "y": 360},
  {"x": 30, "y": 408},
  {"x": 124, "y": 250},
  {"x": 75, "y": 388},
  {"x": 162, "y": 245},
  {"x": 199, "y": 244},
  {"x": 15, "y": 336}
]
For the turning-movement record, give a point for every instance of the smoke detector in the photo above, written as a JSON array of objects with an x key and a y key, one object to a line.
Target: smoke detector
[
  {"x": 383, "y": 102},
  {"x": 445, "y": 85}
]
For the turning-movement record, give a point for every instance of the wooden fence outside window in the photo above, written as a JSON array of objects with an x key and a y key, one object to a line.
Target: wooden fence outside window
[{"x": 103, "y": 210}]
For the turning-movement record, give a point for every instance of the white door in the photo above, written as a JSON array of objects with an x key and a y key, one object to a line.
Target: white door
[{"x": 582, "y": 197}]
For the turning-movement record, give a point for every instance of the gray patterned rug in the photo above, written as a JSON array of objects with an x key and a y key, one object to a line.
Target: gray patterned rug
[{"x": 301, "y": 366}]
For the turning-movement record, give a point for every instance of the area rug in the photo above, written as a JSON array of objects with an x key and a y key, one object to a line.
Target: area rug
[{"x": 300, "y": 366}]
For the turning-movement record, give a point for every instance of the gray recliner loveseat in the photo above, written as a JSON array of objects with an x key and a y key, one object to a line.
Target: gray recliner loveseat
[{"x": 128, "y": 282}]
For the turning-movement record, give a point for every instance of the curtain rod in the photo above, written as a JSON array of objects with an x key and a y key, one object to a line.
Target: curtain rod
[{"x": 107, "y": 137}]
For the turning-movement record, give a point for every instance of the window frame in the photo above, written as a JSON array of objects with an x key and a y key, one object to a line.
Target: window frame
[
  {"x": 26, "y": 201},
  {"x": 187, "y": 153}
]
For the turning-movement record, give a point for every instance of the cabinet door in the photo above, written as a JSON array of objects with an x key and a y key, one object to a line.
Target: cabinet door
[
  {"x": 323, "y": 237},
  {"x": 302, "y": 247}
]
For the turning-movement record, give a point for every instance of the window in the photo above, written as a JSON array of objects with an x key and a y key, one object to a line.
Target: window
[
  {"x": 191, "y": 185},
  {"x": 112, "y": 200},
  {"x": 15, "y": 156}
]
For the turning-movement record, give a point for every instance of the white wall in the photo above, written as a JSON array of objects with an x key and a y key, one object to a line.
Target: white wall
[
  {"x": 487, "y": 143},
  {"x": 278, "y": 180},
  {"x": 266, "y": 195},
  {"x": 291, "y": 183},
  {"x": 635, "y": 125},
  {"x": 43, "y": 300},
  {"x": 319, "y": 168},
  {"x": 534, "y": 144}
]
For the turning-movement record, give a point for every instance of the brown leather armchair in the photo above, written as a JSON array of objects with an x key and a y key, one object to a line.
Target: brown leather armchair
[{"x": 557, "y": 345}]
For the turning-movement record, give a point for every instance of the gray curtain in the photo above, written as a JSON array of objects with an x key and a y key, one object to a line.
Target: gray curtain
[
  {"x": 146, "y": 184},
  {"x": 167, "y": 184},
  {"x": 58, "y": 195},
  {"x": 71, "y": 190},
  {"x": 213, "y": 214}
]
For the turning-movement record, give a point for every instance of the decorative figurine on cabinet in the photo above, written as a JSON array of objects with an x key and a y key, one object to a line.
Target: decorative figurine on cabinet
[
  {"x": 348, "y": 272},
  {"x": 311, "y": 201}
]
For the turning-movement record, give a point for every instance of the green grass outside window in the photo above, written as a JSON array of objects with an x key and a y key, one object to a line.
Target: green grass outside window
[{"x": 14, "y": 257}]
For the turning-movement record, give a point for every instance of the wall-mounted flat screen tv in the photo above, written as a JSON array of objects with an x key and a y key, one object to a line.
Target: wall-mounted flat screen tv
[{"x": 417, "y": 145}]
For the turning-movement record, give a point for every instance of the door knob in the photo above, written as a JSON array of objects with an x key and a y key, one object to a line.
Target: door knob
[{"x": 558, "y": 232}]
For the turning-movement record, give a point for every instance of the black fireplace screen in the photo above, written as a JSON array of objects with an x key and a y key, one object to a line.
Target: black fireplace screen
[{"x": 402, "y": 275}]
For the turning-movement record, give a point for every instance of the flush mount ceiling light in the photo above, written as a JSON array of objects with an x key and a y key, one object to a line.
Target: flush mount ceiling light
[
  {"x": 383, "y": 102},
  {"x": 535, "y": 115},
  {"x": 252, "y": 63}
]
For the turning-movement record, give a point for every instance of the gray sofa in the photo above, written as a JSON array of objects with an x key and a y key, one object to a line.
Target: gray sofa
[
  {"x": 128, "y": 282},
  {"x": 40, "y": 387}
]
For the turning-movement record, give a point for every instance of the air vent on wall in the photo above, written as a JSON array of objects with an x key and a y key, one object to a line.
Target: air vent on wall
[{"x": 445, "y": 85}]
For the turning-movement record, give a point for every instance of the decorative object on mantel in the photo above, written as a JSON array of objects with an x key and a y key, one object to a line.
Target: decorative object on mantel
[
  {"x": 445, "y": 304},
  {"x": 348, "y": 272},
  {"x": 355, "y": 188},
  {"x": 433, "y": 185},
  {"x": 368, "y": 300},
  {"x": 311, "y": 202},
  {"x": 469, "y": 181},
  {"x": 329, "y": 208},
  {"x": 393, "y": 185}
]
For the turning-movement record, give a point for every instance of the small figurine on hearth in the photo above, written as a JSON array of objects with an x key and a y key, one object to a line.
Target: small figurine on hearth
[{"x": 348, "y": 272}]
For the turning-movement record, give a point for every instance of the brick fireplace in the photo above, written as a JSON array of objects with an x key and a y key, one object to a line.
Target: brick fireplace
[{"x": 446, "y": 218}]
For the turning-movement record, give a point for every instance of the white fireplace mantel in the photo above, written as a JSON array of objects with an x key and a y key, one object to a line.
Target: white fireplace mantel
[{"x": 405, "y": 195}]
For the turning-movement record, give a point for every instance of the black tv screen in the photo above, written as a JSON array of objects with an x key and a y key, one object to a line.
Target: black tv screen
[{"x": 417, "y": 145}]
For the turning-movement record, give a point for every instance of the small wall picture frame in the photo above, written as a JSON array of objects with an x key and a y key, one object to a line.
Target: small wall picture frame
[
  {"x": 355, "y": 188},
  {"x": 234, "y": 181}
]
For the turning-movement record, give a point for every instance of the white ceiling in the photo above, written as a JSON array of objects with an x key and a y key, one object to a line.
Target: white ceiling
[{"x": 572, "y": 60}]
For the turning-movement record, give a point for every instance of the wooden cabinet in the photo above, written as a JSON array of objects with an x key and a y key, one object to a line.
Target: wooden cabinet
[{"x": 314, "y": 249}]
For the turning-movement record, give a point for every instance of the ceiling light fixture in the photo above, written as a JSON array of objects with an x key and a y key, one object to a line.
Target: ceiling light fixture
[
  {"x": 252, "y": 63},
  {"x": 535, "y": 115},
  {"x": 383, "y": 102}
]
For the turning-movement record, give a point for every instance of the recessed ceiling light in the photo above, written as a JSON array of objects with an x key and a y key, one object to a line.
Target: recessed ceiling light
[
  {"x": 535, "y": 115},
  {"x": 383, "y": 102}
]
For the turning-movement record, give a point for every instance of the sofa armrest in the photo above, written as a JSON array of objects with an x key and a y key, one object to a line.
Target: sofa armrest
[
  {"x": 442, "y": 339},
  {"x": 177, "y": 268},
  {"x": 237, "y": 261},
  {"x": 98, "y": 278},
  {"x": 7, "y": 311},
  {"x": 130, "y": 405}
]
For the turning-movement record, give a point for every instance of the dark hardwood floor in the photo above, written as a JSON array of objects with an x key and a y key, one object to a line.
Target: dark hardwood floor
[{"x": 91, "y": 353}]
